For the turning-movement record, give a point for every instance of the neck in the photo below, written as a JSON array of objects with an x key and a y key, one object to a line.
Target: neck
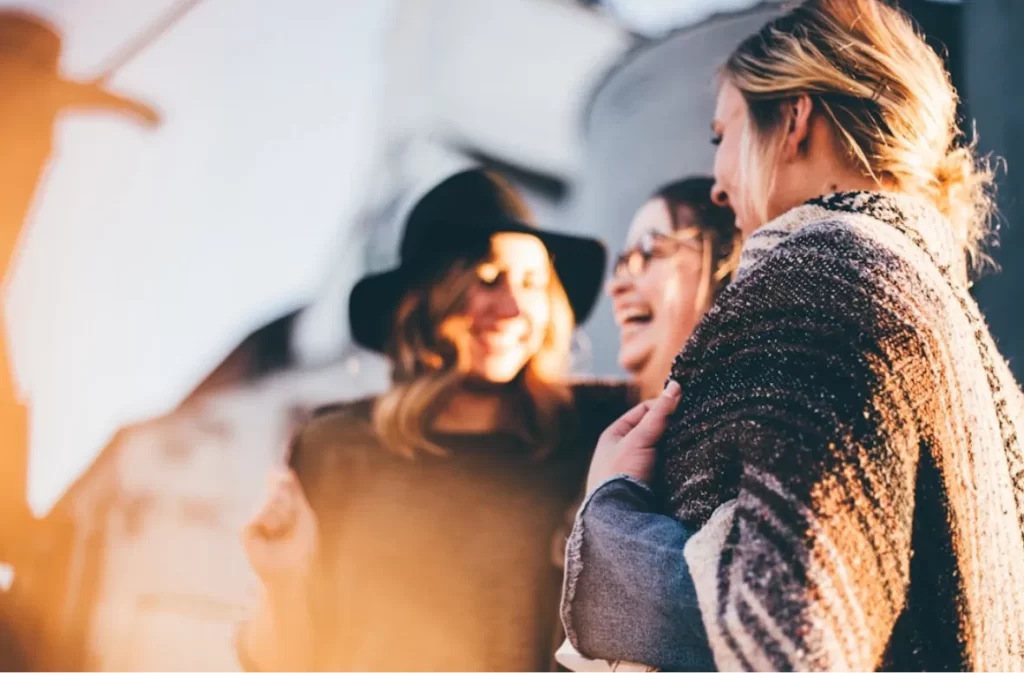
[
  {"x": 651, "y": 380},
  {"x": 827, "y": 175},
  {"x": 474, "y": 409},
  {"x": 816, "y": 182},
  {"x": 854, "y": 183},
  {"x": 825, "y": 169}
]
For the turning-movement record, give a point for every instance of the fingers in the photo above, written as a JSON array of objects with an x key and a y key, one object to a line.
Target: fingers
[
  {"x": 652, "y": 425},
  {"x": 627, "y": 421},
  {"x": 280, "y": 510},
  {"x": 280, "y": 477}
]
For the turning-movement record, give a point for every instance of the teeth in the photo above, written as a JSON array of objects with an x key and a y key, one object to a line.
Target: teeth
[
  {"x": 634, "y": 314},
  {"x": 502, "y": 339}
]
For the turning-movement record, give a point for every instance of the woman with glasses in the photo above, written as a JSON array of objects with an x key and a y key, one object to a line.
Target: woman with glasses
[{"x": 680, "y": 252}]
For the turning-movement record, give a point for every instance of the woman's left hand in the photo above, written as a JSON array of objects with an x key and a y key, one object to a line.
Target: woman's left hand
[{"x": 627, "y": 446}]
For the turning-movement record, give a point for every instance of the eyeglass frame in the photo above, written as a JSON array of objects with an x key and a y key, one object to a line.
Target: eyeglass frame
[{"x": 645, "y": 249}]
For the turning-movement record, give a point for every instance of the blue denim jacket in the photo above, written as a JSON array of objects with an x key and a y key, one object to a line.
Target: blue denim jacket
[{"x": 628, "y": 593}]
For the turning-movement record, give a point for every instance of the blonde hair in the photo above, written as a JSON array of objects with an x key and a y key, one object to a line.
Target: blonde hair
[
  {"x": 887, "y": 96},
  {"x": 428, "y": 355}
]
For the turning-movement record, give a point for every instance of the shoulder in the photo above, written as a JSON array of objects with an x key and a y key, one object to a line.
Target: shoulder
[
  {"x": 359, "y": 407},
  {"x": 352, "y": 415},
  {"x": 603, "y": 392},
  {"x": 333, "y": 435},
  {"x": 834, "y": 296},
  {"x": 844, "y": 252},
  {"x": 848, "y": 240},
  {"x": 598, "y": 402},
  {"x": 832, "y": 270},
  {"x": 825, "y": 245}
]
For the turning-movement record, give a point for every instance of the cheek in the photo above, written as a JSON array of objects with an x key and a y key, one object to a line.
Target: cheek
[
  {"x": 740, "y": 194},
  {"x": 727, "y": 166},
  {"x": 537, "y": 310},
  {"x": 672, "y": 291},
  {"x": 474, "y": 307},
  {"x": 661, "y": 287},
  {"x": 651, "y": 286}
]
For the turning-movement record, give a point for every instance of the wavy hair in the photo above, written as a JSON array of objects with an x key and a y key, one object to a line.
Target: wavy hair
[
  {"x": 427, "y": 349},
  {"x": 887, "y": 96}
]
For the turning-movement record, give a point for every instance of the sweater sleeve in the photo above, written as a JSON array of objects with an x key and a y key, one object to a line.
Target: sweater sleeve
[{"x": 806, "y": 568}]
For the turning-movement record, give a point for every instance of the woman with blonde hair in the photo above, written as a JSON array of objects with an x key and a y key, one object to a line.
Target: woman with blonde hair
[
  {"x": 838, "y": 455},
  {"x": 414, "y": 530}
]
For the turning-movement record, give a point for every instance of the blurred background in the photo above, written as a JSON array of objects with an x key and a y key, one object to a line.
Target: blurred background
[{"x": 209, "y": 178}]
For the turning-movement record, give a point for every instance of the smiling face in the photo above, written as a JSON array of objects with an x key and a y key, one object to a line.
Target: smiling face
[
  {"x": 729, "y": 132},
  {"x": 508, "y": 310},
  {"x": 656, "y": 303}
]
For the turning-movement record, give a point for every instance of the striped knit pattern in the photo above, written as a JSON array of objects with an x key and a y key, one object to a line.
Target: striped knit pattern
[{"x": 847, "y": 414}]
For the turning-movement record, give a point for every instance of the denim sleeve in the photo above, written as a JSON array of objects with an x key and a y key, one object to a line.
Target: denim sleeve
[{"x": 628, "y": 593}]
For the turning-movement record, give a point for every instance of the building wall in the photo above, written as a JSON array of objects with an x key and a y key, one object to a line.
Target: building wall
[
  {"x": 994, "y": 88},
  {"x": 648, "y": 123}
]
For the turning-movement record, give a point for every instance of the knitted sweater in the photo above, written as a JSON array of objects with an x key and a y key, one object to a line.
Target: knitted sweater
[{"x": 848, "y": 440}]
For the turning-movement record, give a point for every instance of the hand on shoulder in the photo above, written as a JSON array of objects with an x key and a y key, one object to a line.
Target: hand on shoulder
[{"x": 627, "y": 446}]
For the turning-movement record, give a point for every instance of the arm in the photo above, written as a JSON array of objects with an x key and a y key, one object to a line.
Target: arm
[
  {"x": 279, "y": 636},
  {"x": 628, "y": 592},
  {"x": 802, "y": 583},
  {"x": 283, "y": 543},
  {"x": 808, "y": 568}
]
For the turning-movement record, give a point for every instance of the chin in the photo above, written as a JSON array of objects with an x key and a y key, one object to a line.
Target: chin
[
  {"x": 633, "y": 364},
  {"x": 500, "y": 378},
  {"x": 748, "y": 225},
  {"x": 499, "y": 372}
]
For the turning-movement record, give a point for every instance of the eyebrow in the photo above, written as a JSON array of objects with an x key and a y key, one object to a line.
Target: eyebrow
[
  {"x": 505, "y": 268},
  {"x": 690, "y": 231}
]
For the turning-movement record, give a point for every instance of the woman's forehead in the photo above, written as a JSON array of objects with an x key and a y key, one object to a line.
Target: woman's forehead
[
  {"x": 518, "y": 250},
  {"x": 652, "y": 218},
  {"x": 729, "y": 105},
  {"x": 658, "y": 220}
]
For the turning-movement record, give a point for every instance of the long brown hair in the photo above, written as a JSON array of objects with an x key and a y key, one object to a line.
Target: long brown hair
[
  {"x": 714, "y": 228},
  {"x": 425, "y": 352}
]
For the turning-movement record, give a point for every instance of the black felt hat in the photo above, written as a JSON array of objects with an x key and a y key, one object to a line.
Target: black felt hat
[{"x": 455, "y": 218}]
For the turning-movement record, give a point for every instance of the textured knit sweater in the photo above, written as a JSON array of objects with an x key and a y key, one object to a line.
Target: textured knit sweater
[{"x": 848, "y": 442}]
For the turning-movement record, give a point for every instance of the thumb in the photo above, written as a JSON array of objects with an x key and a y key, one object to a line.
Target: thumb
[
  {"x": 650, "y": 429},
  {"x": 627, "y": 422}
]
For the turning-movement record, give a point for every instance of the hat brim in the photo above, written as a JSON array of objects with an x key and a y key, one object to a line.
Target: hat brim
[{"x": 579, "y": 262}]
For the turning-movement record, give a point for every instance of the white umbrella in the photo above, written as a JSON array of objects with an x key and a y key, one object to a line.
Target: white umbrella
[{"x": 149, "y": 255}]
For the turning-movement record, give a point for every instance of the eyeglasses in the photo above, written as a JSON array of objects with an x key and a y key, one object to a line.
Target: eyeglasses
[{"x": 652, "y": 245}]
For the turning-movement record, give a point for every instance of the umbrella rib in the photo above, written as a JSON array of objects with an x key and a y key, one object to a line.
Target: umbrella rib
[{"x": 138, "y": 44}]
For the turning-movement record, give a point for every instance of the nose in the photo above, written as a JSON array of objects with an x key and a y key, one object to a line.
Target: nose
[
  {"x": 505, "y": 306},
  {"x": 718, "y": 195},
  {"x": 618, "y": 285}
]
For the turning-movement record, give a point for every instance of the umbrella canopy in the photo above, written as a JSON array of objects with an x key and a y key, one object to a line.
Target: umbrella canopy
[{"x": 149, "y": 255}]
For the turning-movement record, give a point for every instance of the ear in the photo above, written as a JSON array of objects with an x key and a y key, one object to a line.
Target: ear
[{"x": 797, "y": 113}]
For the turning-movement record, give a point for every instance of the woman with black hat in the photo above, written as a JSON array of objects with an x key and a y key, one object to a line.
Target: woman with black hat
[{"x": 416, "y": 530}]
